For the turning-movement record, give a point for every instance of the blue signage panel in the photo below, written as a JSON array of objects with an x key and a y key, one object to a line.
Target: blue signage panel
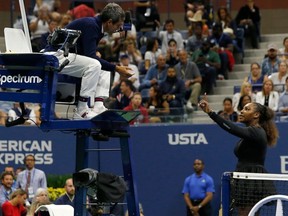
[{"x": 163, "y": 157}]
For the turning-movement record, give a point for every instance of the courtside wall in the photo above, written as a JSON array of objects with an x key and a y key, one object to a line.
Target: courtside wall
[{"x": 163, "y": 156}]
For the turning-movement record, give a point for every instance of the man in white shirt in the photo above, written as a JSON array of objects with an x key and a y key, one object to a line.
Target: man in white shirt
[{"x": 168, "y": 34}]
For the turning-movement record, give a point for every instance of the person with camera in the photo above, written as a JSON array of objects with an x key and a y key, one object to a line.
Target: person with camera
[{"x": 85, "y": 64}]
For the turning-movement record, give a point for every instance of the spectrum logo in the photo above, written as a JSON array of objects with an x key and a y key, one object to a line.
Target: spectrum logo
[{"x": 19, "y": 79}]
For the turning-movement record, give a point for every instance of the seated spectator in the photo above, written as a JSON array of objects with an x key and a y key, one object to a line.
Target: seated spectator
[
  {"x": 136, "y": 105},
  {"x": 52, "y": 5},
  {"x": 228, "y": 112},
  {"x": 152, "y": 53},
  {"x": 196, "y": 7},
  {"x": 156, "y": 73},
  {"x": 271, "y": 62},
  {"x": 16, "y": 113},
  {"x": 41, "y": 198},
  {"x": 268, "y": 97},
  {"x": 244, "y": 99},
  {"x": 192, "y": 8},
  {"x": 66, "y": 19},
  {"x": 68, "y": 197},
  {"x": 188, "y": 71},
  {"x": 126, "y": 93},
  {"x": 38, "y": 26},
  {"x": 169, "y": 33},
  {"x": 223, "y": 45},
  {"x": 158, "y": 107},
  {"x": 279, "y": 77},
  {"x": 130, "y": 49},
  {"x": 246, "y": 89},
  {"x": 255, "y": 77},
  {"x": 52, "y": 25},
  {"x": 172, "y": 57},
  {"x": 15, "y": 206},
  {"x": 195, "y": 41},
  {"x": 227, "y": 22},
  {"x": 146, "y": 11},
  {"x": 283, "y": 102},
  {"x": 208, "y": 62},
  {"x": 248, "y": 18},
  {"x": 173, "y": 89},
  {"x": 283, "y": 52},
  {"x": 124, "y": 60}
]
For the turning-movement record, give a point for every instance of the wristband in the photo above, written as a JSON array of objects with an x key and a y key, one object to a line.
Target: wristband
[{"x": 199, "y": 206}]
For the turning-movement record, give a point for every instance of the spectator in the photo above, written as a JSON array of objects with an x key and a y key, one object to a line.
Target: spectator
[
  {"x": 168, "y": 34},
  {"x": 127, "y": 91},
  {"x": 173, "y": 89},
  {"x": 7, "y": 179},
  {"x": 31, "y": 179},
  {"x": 146, "y": 11},
  {"x": 38, "y": 26},
  {"x": 50, "y": 4},
  {"x": 283, "y": 52},
  {"x": 246, "y": 89},
  {"x": 283, "y": 102},
  {"x": 279, "y": 78},
  {"x": 156, "y": 73},
  {"x": 124, "y": 61},
  {"x": 68, "y": 197},
  {"x": 152, "y": 53},
  {"x": 268, "y": 97},
  {"x": 41, "y": 198},
  {"x": 130, "y": 49},
  {"x": 16, "y": 113},
  {"x": 248, "y": 18},
  {"x": 255, "y": 78},
  {"x": 136, "y": 105},
  {"x": 271, "y": 62},
  {"x": 208, "y": 62},
  {"x": 52, "y": 25},
  {"x": 15, "y": 206},
  {"x": 188, "y": 71},
  {"x": 227, "y": 22},
  {"x": 158, "y": 107},
  {"x": 228, "y": 112},
  {"x": 18, "y": 170},
  {"x": 223, "y": 45},
  {"x": 66, "y": 19},
  {"x": 10, "y": 169},
  {"x": 195, "y": 41},
  {"x": 193, "y": 8},
  {"x": 198, "y": 191},
  {"x": 172, "y": 57},
  {"x": 244, "y": 99}
]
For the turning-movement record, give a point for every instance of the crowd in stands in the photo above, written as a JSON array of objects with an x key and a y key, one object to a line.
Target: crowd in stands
[
  {"x": 173, "y": 67},
  {"x": 24, "y": 190}
]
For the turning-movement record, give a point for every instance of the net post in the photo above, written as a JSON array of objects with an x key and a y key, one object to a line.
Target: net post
[{"x": 225, "y": 192}]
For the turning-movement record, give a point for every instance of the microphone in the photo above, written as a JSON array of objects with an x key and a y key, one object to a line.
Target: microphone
[{"x": 127, "y": 22}]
